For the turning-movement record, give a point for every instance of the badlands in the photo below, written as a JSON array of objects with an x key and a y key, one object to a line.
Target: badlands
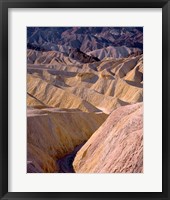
[{"x": 84, "y": 100}]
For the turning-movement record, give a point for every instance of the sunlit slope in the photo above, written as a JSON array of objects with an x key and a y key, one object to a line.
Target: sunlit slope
[
  {"x": 52, "y": 96},
  {"x": 117, "y": 146},
  {"x": 105, "y": 85},
  {"x": 53, "y": 133}
]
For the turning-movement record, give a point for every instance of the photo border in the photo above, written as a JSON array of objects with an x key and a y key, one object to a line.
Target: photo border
[{"x": 4, "y": 5}]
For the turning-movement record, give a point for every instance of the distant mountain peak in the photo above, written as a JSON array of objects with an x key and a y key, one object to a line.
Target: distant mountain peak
[
  {"x": 86, "y": 39},
  {"x": 78, "y": 55}
]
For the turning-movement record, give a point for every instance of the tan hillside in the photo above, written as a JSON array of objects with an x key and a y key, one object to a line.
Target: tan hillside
[
  {"x": 118, "y": 82},
  {"x": 53, "y": 133},
  {"x": 49, "y": 57},
  {"x": 113, "y": 52},
  {"x": 116, "y": 147},
  {"x": 84, "y": 99},
  {"x": 33, "y": 102},
  {"x": 56, "y": 97}
]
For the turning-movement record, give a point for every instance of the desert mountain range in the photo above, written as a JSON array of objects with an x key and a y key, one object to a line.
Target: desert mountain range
[
  {"x": 84, "y": 100},
  {"x": 87, "y": 39}
]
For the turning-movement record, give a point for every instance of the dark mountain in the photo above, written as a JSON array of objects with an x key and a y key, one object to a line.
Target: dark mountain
[
  {"x": 84, "y": 38},
  {"x": 78, "y": 55}
]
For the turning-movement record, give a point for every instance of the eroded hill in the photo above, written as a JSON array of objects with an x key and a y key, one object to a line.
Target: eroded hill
[
  {"x": 84, "y": 103},
  {"x": 117, "y": 146}
]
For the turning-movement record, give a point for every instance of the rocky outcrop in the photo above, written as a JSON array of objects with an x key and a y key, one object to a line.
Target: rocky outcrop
[
  {"x": 117, "y": 146},
  {"x": 80, "y": 56}
]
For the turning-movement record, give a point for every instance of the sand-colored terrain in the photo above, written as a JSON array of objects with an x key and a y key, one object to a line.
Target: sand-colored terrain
[
  {"x": 53, "y": 133},
  {"x": 117, "y": 146},
  {"x": 85, "y": 105}
]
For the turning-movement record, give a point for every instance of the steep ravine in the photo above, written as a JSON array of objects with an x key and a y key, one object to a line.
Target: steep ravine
[
  {"x": 65, "y": 164},
  {"x": 54, "y": 133}
]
